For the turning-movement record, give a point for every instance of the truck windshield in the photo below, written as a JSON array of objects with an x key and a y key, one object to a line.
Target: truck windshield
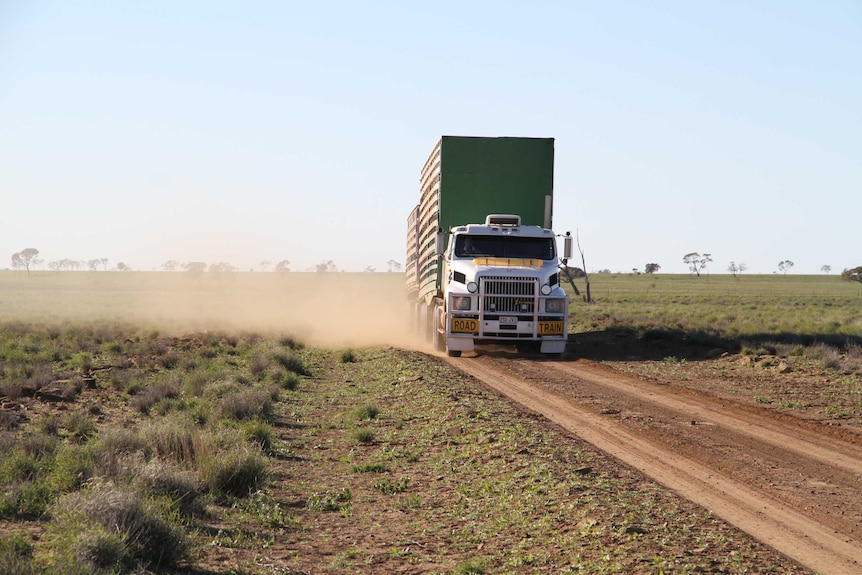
[{"x": 504, "y": 247}]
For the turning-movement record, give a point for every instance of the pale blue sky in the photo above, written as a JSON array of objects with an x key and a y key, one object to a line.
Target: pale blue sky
[{"x": 264, "y": 130}]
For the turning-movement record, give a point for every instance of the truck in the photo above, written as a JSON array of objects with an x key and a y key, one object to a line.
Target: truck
[{"x": 482, "y": 264}]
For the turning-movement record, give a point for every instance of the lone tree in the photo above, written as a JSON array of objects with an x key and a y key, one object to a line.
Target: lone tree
[
  {"x": 826, "y": 268},
  {"x": 325, "y": 267},
  {"x": 195, "y": 271},
  {"x": 282, "y": 267},
  {"x": 170, "y": 265},
  {"x": 651, "y": 268},
  {"x": 393, "y": 266},
  {"x": 696, "y": 262},
  {"x": 785, "y": 265},
  {"x": 24, "y": 258},
  {"x": 736, "y": 269}
]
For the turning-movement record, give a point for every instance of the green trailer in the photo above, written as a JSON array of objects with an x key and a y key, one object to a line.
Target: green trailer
[{"x": 463, "y": 182}]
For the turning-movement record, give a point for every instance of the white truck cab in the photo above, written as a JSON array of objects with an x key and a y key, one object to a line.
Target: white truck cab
[{"x": 501, "y": 282}]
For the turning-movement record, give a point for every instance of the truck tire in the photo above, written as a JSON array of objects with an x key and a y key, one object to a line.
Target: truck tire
[
  {"x": 453, "y": 352},
  {"x": 438, "y": 337}
]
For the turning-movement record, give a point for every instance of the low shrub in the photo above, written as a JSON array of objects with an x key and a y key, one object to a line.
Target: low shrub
[
  {"x": 73, "y": 466},
  {"x": 367, "y": 412},
  {"x": 248, "y": 404},
  {"x": 16, "y": 555},
  {"x": 370, "y": 468},
  {"x": 80, "y": 425},
  {"x": 291, "y": 342},
  {"x": 112, "y": 453},
  {"x": 292, "y": 363},
  {"x": 40, "y": 445},
  {"x": 330, "y": 501},
  {"x": 286, "y": 380},
  {"x": 173, "y": 439},
  {"x": 363, "y": 435},
  {"x": 8, "y": 421},
  {"x": 260, "y": 433},
  {"x": 389, "y": 487},
  {"x": 235, "y": 472},
  {"x": 155, "y": 393},
  {"x": 181, "y": 487},
  {"x": 105, "y": 526},
  {"x": 26, "y": 499},
  {"x": 257, "y": 367}
]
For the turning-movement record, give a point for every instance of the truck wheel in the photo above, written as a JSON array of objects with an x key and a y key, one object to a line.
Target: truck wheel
[
  {"x": 438, "y": 337},
  {"x": 453, "y": 352}
]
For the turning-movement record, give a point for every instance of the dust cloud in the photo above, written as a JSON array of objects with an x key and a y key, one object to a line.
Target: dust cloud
[{"x": 322, "y": 309}]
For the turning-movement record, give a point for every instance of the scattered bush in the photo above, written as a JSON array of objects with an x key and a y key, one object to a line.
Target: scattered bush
[
  {"x": 330, "y": 501},
  {"x": 260, "y": 433},
  {"x": 173, "y": 439},
  {"x": 291, "y": 363},
  {"x": 180, "y": 486},
  {"x": 8, "y": 420},
  {"x": 827, "y": 355},
  {"x": 106, "y": 526},
  {"x": 16, "y": 555},
  {"x": 286, "y": 379},
  {"x": 370, "y": 468},
  {"x": 363, "y": 435},
  {"x": 169, "y": 360},
  {"x": 347, "y": 356},
  {"x": 80, "y": 425},
  {"x": 11, "y": 390},
  {"x": 388, "y": 487},
  {"x": 236, "y": 472},
  {"x": 248, "y": 404},
  {"x": 73, "y": 466},
  {"x": 291, "y": 343},
  {"x": 154, "y": 394},
  {"x": 98, "y": 548},
  {"x": 257, "y": 367},
  {"x": 26, "y": 499},
  {"x": 367, "y": 412}
]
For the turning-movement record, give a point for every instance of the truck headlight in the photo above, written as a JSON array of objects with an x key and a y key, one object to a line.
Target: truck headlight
[
  {"x": 461, "y": 303},
  {"x": 546, "y": 289},
  {"x": 554, "y": 305},
  {"x": 472, "y": 287}
]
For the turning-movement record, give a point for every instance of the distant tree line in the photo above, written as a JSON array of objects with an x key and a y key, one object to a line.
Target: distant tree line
[{"x": 28, "y": 259}]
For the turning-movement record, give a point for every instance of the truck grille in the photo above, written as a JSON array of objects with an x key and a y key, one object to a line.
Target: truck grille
[{"x": 515, "y": 295}]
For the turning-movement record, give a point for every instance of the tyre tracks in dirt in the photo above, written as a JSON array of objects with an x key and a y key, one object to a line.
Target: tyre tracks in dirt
[{"x": 789, "y": 486}]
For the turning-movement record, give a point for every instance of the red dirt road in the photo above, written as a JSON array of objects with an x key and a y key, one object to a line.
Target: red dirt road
[{"x": 791, "y": 485}]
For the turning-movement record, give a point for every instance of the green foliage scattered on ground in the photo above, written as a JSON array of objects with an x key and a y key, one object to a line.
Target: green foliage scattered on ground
[{"x": 194, "y": 429}]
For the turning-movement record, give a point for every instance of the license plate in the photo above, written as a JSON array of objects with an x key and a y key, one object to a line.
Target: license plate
[
  {"x": 508, "y": 320},
  {"x": 550, "y": 328},
  {"x": 465, "y": 325}
]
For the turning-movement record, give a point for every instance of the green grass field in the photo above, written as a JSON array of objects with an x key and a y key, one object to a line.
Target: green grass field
[{"x": 807, "y": 308}]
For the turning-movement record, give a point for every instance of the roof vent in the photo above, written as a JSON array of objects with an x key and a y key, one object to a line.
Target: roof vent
[{"x": 503, "y": 220}]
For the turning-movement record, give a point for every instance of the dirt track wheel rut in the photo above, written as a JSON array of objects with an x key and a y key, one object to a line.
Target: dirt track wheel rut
[{"x": 813, "y": 518}]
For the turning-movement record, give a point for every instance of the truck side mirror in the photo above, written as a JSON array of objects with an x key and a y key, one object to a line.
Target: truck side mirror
[
  {"x": 439, "y": 246},
  {"x": 568, "y": 247}
]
